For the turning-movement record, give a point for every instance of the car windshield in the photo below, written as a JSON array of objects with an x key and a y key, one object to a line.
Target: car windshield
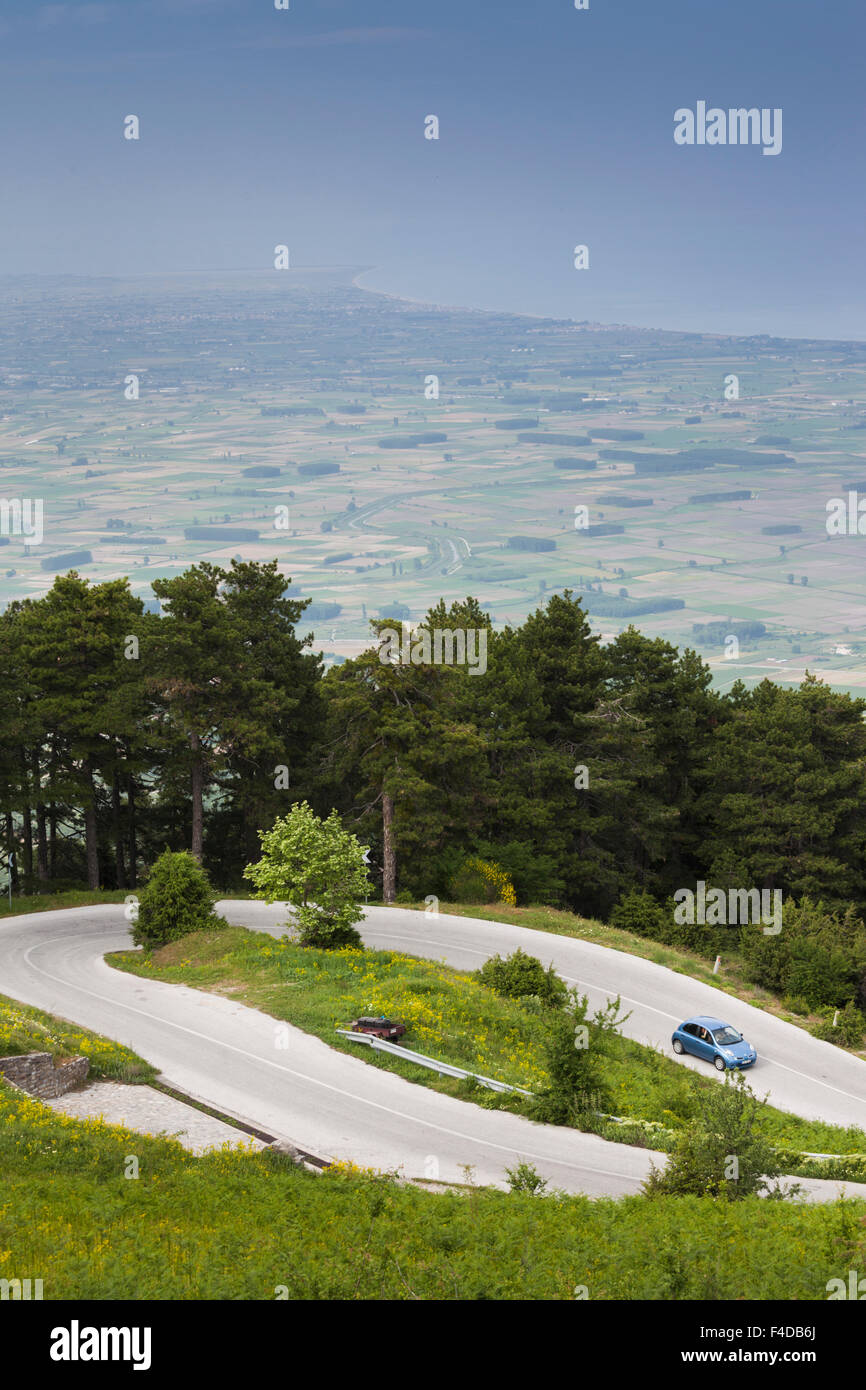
[{"x": 725, "y": 1036}]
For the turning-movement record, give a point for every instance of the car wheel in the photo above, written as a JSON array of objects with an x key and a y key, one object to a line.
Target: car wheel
[
  {"x": 719, "y": 1064},
  {"x": 678, "y": 1047}
]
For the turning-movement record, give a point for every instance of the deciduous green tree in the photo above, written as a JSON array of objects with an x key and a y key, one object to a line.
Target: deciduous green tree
[{"x": 317, "y": 867}]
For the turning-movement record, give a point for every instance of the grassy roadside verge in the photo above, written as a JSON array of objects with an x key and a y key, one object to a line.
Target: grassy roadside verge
[
  {"x": 241, "y": 1225},
  {"x": 25, "y": 1029},
  {"x": 53, "y": 902},
  {"x": 452, "y": 1017},
  {"x": 79, "y": 897},
  {"x": 731, "y": 978}
]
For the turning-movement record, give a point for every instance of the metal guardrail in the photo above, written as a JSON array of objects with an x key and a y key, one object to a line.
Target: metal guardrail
[
  {"x": 379, "y": 1044},
  {"x": 855, "y": 1154},
  {"x": 627, "y": 1120},
  {"x": 446, "y": 1069}
]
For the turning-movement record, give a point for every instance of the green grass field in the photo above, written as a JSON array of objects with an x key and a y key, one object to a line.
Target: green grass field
[{"x": 239, "y": 1225}]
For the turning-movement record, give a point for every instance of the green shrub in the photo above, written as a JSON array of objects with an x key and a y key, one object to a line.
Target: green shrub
[
  {"x": 852, "y": 1025},
  {"x": 796, "y": 1004},
  {"x": 820, "y": 956},
  {"x": 524, "y": 1178},
  {"x": 575, "y": 1051},
  {"x": 535, "y": 875},
  {"x": 468, "y": 885},
  {"x": 820, "y": 973},
  {"x": 641, "y": 914},
  {"x": 519, "y": 976},
  {"x": 175, "y": 901},
  {"x": 479, "y": 880},
  {"x": 721, "y": 1153},
  {"x": 849, "y": 1028}
]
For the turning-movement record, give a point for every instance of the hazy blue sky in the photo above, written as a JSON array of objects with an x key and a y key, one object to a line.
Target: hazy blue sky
[{"x": 306, "y": 127}]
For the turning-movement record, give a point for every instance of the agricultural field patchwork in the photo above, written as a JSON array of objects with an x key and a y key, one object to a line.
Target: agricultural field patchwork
[{"x": 389, "y": 454}]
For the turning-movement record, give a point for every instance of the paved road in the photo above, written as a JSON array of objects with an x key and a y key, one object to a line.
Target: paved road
[
  {"x": 807, "y": 1077},
  {"x": 228, "y": 1055}
]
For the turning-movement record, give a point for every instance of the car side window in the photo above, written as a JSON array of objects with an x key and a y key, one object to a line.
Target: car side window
[{"x": 690, "y": 1029}]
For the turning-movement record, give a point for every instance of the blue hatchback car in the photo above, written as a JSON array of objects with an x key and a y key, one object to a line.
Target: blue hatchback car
[{"x": 715, "y": 1041}]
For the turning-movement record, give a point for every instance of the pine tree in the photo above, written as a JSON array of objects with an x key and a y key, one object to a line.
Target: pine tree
[
  {"x": 229, "y": 673},
  {"x": 81, "y": 698},
  {"x": 399, "y": 746},
  {"x": 787, "y": 805}
]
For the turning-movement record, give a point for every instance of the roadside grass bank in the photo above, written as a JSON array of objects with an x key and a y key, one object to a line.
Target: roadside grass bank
[
  {"x": 241, "y": 1225},
  {"x": 81, "y": 897},
  {"x": 25, "y": 1029},
  {"x": 732, "y": 978},
  {"x": 54, "y": 902},
  {"x": 453, "y": 1017}
]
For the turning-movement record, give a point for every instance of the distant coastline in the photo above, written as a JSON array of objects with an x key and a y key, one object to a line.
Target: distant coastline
[
  {"x": 600, "y": 311},
  {"x": 648, "y": 315}
]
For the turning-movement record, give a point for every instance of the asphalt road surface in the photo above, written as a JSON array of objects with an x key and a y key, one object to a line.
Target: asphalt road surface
[{"x": 338, "y": 1106}]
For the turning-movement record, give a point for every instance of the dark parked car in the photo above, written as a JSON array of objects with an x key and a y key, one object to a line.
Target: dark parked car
[
  {"x": 381, "y": 1027},
  {"x": 715, "y": 1041}
]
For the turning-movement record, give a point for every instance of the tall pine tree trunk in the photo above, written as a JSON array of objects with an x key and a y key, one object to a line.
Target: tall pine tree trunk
[
  {"x": 252, "y": 847},
  {"x": 117, "y": 825},
  {"x": 197, "y": 797},
  {"x": 27, "y": 828},
  {"x": 27, "y": 848},
  {"x": 10, "y": 850},
  {"x": 91, "y": 827},
  {"x": 52, "y": 840},
  {"x": 130, "y": 823},
  {"x": 41, "y": 844},
  {"x": 389, "y": 859},
  {"x": 41, "y": 841}
]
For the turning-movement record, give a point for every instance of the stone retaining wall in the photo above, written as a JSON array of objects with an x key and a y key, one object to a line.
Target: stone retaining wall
[{"x": 36, "y": 1073}]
